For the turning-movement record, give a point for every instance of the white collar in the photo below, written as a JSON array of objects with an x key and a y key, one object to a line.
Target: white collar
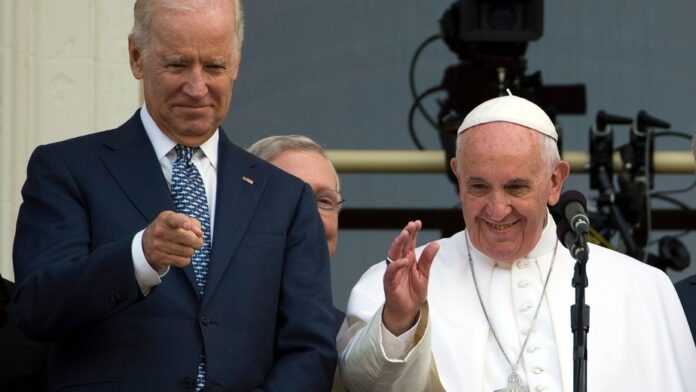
[{"x": 163, "y": 144}]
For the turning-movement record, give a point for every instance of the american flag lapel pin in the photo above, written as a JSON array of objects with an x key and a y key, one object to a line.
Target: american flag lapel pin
[{"x": 248, "y": 180}]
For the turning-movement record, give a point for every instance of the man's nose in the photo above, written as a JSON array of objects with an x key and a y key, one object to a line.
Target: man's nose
[
  {"x": 195, "y": 85},
  {"x": 498, "y": 206}
]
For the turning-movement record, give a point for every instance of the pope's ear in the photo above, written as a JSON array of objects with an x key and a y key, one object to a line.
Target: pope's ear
[
  {"x": 558, "y": 178},
  {"x": 453, "y": 167}
]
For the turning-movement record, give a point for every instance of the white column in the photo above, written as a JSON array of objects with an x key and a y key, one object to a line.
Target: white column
[{"x": 63, "y": 72}]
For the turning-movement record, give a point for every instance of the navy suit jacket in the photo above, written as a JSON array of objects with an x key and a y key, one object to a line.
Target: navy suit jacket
[
  {"x": 687, "y": 294},
  {"x": 266, "y": 321}
]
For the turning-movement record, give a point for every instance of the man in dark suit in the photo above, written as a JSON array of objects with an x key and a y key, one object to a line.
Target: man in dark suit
[
  {"x": 687, "y": 294},
  {"x": 161, "y": 257}
]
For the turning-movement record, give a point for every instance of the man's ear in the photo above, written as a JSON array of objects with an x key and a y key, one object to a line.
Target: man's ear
[
  {"x": 453, "y": 167},
  {"x": 135, "y": 55},
  {"x": 558, "y": 177}
]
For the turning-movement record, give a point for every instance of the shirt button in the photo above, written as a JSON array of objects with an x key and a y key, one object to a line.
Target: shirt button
[
  {"x": 523, "y": 264},
  {"x": 537, "y": 370},
  {"x": 540, "y": 388},
  {"x": 532, "y": 349},
  {"x": 523, "y": 283},
  {"x": 525, "y": 307},
  {"x": 204, "y": 321}
]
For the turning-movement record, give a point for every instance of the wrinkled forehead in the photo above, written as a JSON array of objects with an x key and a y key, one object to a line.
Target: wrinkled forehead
[
  {"x": 499, "y": 136},
  {"x": 500, "y": 149},
  {"x": 190, "y": 5}
]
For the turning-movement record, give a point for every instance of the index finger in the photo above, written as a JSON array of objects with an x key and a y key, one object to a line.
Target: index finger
[
  {"x": 411, "y": 229},
  {"x": 183, "y": 221},
  {"x": 195, "y": 226}
]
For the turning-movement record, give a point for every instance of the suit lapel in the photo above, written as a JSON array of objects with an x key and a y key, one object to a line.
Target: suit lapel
[
  {"x": 239, "y": 187},
  {"x": 131, "y": 160}
]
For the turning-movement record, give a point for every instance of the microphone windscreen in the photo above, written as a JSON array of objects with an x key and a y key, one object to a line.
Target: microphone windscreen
[
  {"x": 571, "y": 196},
  {"x": 562, "y": 229}
]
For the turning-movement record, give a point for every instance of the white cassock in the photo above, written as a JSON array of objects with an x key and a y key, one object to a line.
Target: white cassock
[{"x": 639, "y": 339}]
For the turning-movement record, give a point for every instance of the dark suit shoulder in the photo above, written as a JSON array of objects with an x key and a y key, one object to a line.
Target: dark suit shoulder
[
  {"x": 687, "y": 285},
  {"x": 275, "y": 176},
  {"x": 127, "y": 131},
  {"x": 686, "y": 289}
]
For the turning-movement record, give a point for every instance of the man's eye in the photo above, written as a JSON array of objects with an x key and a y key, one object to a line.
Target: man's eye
[
  {"x": 517, "y": 189},
  {"x": 325, "y": 201}
]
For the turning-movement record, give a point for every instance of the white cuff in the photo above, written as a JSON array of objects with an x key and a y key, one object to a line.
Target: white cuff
[
  {"x": 396, "y": 348},
  {"x": 145, "y": 275}
]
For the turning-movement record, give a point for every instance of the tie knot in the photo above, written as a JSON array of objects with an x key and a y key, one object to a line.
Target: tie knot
[{"x": 185, "y": 153}]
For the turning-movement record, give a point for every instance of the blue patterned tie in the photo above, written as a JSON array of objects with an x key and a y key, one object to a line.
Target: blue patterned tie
[{"x": 189, "y": 196}]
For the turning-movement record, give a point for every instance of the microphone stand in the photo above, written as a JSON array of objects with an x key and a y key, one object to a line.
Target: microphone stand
[{"x": 580, "y": 315}]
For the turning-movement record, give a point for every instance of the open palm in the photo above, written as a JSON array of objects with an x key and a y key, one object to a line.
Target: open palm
[{"x": 406, "y": 279}]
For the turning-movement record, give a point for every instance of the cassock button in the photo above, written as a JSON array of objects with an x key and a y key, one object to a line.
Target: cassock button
[
  {"x": 204, "y": 321},
  {"x": 532, "y": 349},
  {"x": 537, "y": 370}
]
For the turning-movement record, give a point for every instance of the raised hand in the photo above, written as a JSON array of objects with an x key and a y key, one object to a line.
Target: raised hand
[
  {"x": 406, "y": 280},
  {"x": 171, "y": 239}
]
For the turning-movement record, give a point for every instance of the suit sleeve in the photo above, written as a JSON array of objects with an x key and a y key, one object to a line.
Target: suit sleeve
[
  {"x": 64, "y": 282},
  {"x": 305, "y": 337}
]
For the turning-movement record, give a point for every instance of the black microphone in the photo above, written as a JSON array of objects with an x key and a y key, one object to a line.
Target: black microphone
[
  {"x": 573, "y": 205},
  {"x": 578, "y": 249},
  {"x": 603, "y": 119}
]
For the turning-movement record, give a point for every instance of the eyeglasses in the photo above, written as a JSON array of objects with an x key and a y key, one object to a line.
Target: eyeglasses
[{"x": 328, "y": 200}]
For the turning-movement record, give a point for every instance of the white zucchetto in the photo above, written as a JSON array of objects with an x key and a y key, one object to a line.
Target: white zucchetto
[{"x": 512, "y": 109}]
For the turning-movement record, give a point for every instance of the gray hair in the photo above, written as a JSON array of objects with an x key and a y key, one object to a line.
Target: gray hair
[
  {"x": 271, "y": 147},
  {"x": 548, "y": 146},
  {"x": 142, "y": 12}
]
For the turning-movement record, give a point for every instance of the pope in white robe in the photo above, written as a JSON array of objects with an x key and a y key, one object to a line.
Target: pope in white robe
[{"x": 418, "y": 324}]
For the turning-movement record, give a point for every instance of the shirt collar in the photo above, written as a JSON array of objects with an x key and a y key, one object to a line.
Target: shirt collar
[
  {"x": 547, "y": 240},
  {"x": 163, "y": 144}
]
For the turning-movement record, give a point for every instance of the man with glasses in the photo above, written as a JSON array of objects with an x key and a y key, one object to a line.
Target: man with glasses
[{"x": 305, "y": 159}]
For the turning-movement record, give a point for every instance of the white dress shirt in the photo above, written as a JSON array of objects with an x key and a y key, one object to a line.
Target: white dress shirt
[{"x": 205, "y": 160}]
